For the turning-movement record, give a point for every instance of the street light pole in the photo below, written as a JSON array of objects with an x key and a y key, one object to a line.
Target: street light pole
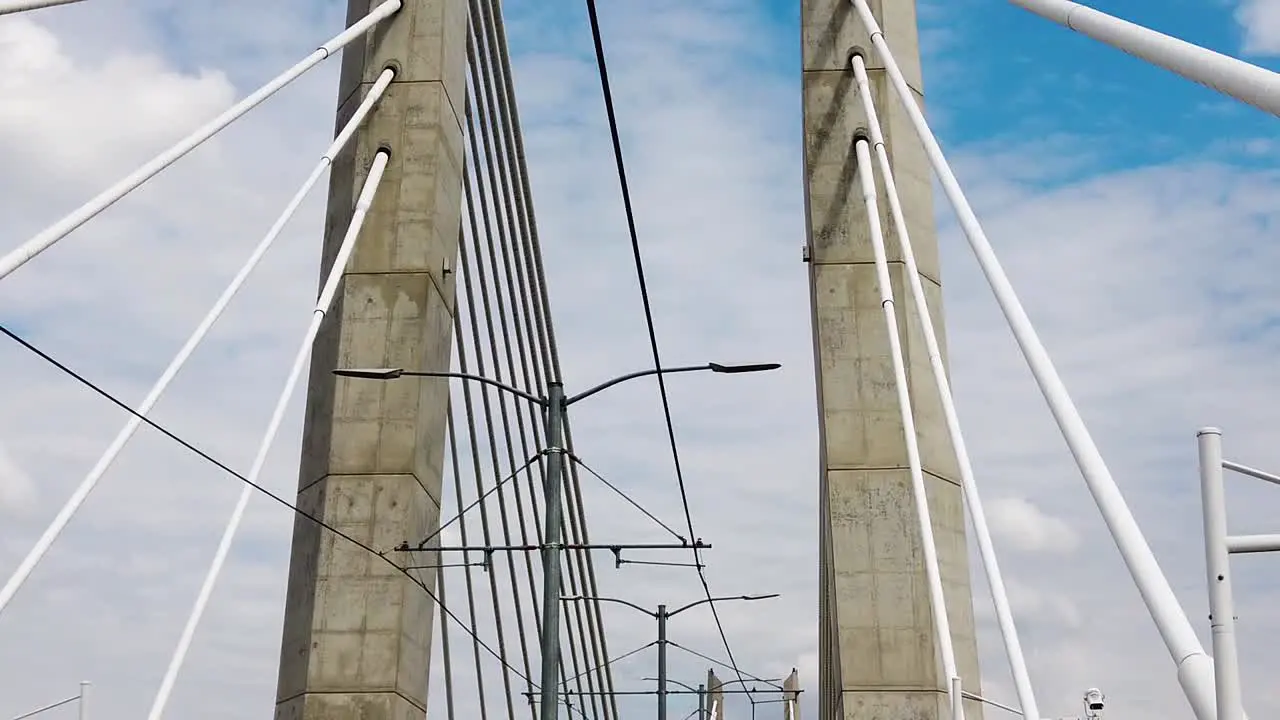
[
  {"x": 662, "y": 615},
  {"x": 662, "y": 662},
  {"x": 550, "y": 640},
  {"x": 556, "y": 405}
]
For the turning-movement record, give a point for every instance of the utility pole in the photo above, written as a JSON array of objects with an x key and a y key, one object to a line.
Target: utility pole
[
  {"x": 551, "y": 551},
  {"x": 556, "y": 405},
  {"x": 661, "y": 616},
  {"x": 662, "y": 661}
]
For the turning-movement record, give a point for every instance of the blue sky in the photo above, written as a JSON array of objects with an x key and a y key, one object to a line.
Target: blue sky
[{"x": 1133, "y": 210}]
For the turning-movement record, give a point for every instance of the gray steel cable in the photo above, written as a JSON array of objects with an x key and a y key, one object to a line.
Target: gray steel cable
[
  {"x": 537, "y": 276},
  {"x": 472, "y": 427},
  {"x": 482, "y": 367},
  {"x": 462, "y": 531},
  {"x": 533, "y": 262},
  {"x": 479, "y": 129}
]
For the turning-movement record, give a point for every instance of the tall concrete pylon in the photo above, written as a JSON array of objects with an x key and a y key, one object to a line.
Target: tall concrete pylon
[
  {"x": 791, "y": 696},
  {"x": 878, "y": 650},
  {"x": 357, "y": 634},
  {"x": 715, "y": 696}
]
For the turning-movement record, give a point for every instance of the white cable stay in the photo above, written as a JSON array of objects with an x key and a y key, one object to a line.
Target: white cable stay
[
  {"x": 1195, "y": 668},
  {"x": 8, "y": 7},
  {"x": 46, "y": 238},
  {"x": 982, "y": 531},
  {"x": 90, "y": 481},
  {"x": 1248, "y": 83},
  {"x": 928, "y": 546},
  {"x": 273, "y": 427}
]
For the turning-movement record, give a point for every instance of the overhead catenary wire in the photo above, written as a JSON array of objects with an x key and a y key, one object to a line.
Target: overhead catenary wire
[
  {"x": 602, "y": 68},
  {"x": 49, "y": 236},
  {"x": 968, "y": 484},
  {"x": 720, "y": 663},
  {"x": 327, "y": 294},
  {"x": 9, "y": 7},
  {"x": 577, "y": 460},
  {"x": 90, "y": 481},
  {"x": 1195, "y": 668},
  {"x": 928, "y": 546},
  {"x": 203, "y": 455}
]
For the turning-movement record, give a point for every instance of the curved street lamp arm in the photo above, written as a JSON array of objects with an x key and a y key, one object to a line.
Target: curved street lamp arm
[
  {"x": 632, "y": 605},
  {"x": 706, "y": 600},
  {"x": 393, "y": 373},
  {"x": 632, "y": 376},
  {"x": 673, "y": 682}
]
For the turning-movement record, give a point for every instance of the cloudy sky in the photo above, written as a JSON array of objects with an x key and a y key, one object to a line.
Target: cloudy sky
[{"x": 1132, "y": 211}]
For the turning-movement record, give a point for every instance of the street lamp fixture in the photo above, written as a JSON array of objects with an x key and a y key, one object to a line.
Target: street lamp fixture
[{"x": 556, "y": 404}]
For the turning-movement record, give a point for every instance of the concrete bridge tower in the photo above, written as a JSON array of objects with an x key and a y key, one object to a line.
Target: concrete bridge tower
[
  {"x": 357, "y": 634},
  {"x": 878, "y": 654}
]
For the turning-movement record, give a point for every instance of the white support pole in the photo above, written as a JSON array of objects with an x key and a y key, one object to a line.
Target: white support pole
[
  {"x": 1218, "y": 568},
  {"x": 981, "y": 530},
  {"x": 52, "y": 234},
  {"x": 90, "y": 481},
  {"x": 957, "y": 700},
  {"x": 8, "y": 7},
  {"x": 928, "y": 547},
  {"x": 299, "y": 366},
  {"x": 1195, "y": 668},
  {"x": 84, "y": 699},
  {"x": 1251, "y": 472},
  {"x": 1243, "y": 81},
  {"x": 1244, "y": 544}
]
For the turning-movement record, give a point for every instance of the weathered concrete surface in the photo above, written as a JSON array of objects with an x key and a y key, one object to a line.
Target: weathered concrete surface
[
  {"x": 357, "y": 633},
  {"x": 715, "y": 696},
  {"x": 791, "y": 694},
  {"x": 878, "y": 653}
]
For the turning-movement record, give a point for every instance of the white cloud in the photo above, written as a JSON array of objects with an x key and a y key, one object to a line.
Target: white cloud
[
  {"x": 136, "y": 101},
  {"x": 1027, "y": 528},
  {"x": 17, "y": 492},
  {"x": 1124, "y": 273},
  {"x": 1260, "y": 20}
]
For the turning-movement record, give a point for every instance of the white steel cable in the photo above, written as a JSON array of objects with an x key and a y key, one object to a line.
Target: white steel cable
[
  {"x": 273, "y": 427},
  {"x": 933, "y": 574},
  {"x": 17, "y": 6},
  {"x": 1248, "y": 83},
  {"x": 46, "y": 238},
  {"x": 90, "y": 481},
  {"x": 982, "y": 532},
  {"x": 1195, "y": 668}
]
